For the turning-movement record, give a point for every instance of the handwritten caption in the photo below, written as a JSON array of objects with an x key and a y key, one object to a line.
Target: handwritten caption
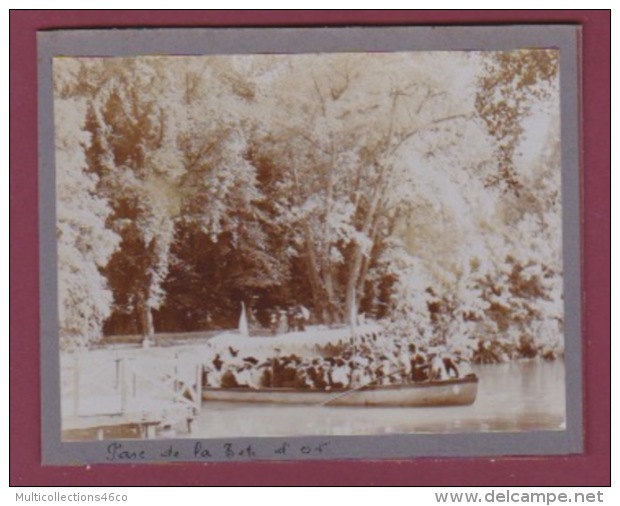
[{"x": 119, "y": 452}]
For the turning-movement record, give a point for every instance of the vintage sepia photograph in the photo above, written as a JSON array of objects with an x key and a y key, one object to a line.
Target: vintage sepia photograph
[{"x": 315, "y": 244}]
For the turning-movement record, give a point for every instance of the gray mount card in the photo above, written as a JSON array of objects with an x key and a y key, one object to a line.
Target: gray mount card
[{"x": 309, "y": 243}]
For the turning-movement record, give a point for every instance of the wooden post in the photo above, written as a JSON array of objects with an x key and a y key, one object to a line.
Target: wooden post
[
  {"x": 198, "y": 387},
  {"x": 123, "y": 371},
  {"x": 118, "y": 374},
  {"x": 175, "y": 382},
  {"x": 134, "y": 384},
  {"x": 149, "y": 431}
]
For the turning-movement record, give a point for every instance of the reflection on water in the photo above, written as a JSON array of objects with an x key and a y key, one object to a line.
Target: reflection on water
[{"x": 511, "y": 397}]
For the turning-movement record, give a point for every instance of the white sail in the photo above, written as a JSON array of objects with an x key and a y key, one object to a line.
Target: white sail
[
  {"x": 353, "y": 316},
  {"x": 305, "y": 312},
  {"x": 243, "y": 322}
]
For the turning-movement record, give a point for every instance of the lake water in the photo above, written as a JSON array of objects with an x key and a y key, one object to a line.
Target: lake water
[{"x": 511, "y": 397}]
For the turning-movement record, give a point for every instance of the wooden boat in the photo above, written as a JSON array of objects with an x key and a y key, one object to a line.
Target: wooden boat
[{"x": 451, "y": 392}]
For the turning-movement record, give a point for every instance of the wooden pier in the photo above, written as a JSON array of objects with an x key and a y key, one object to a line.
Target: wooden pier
[{"x": 147, "y": 390}]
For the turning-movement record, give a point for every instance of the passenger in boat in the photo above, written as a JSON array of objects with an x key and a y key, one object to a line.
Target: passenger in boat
[
  {"x": 312, "y": 373},
  {"x": 404, "y": 363},
  {"x": 254, "y": 372},
  {"x": 276, "y": 372},
  {"x": 263, "y": 372},
  {"x": 303, "y": 379},
  {"x": 340, "y": 374},
  {"x": 212, "y": 377},
  {"x": 230, "y": 358},
  {"x": 325, "y": 367},
  {"x": 288, "y": 372},
  {"x": 450, "y": 368},
  {"x": 241, "y": 375},
  {"x": 437, "y": 370},
  {"x": 366, "y": 376},
  {"x": 365, "y": 351},
  {"x": 360, "y": 371},
  {"x": 357, "y": 375},
  {"x": 217, "y": 362},
  {"x": 213, "y": 372},
  {"x": 419, "y": 365},
  {"x": 384, "y": 371},
  {"x": 419, "y": 368},
  {"x": 228, "y": 379},
  {"x": 317, "y": 373},
  {"x": 247, "y": 376}
]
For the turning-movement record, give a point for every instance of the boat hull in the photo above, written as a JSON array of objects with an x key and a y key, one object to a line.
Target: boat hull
[{"x": 454, "y": 392}]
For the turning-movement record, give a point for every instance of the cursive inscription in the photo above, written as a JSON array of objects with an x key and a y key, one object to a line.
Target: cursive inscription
[
  {"x": 115, "y": 451},
  {"x": 202, "y": 450}
]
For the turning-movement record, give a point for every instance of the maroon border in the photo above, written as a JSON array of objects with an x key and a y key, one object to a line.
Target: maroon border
[{"x": 591, "y": 468}]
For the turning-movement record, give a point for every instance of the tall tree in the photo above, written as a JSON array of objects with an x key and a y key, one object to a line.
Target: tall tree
[
  {"x": 222, "y": 207},
  {"x": 85, "y": 245},
  {"x": 133, "y": 155},
  {"x": 341, "y": 140}
]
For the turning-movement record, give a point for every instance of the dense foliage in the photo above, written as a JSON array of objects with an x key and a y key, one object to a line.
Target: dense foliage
[{"x": 421, "y": 189}]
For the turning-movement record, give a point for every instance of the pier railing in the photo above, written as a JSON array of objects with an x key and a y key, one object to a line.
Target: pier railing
[{"x": 148, "y": 388}]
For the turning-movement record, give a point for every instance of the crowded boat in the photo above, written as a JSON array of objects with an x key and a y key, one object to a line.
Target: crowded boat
[{"x": 371, "y": 359}]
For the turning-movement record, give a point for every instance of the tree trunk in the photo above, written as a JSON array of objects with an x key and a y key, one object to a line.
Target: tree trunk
[
  {"x": 314, "y": 277},
  {"x": 145, "y": 318},
  {"x": 316, "y": 284},
  {"x": 366, "y": 260},
  {"x": 335, "y": 315},
  {"x": 358, "y": 256}
]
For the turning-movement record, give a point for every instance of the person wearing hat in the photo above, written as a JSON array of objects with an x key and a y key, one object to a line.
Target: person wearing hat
[{"x": 419, "y": 367}]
